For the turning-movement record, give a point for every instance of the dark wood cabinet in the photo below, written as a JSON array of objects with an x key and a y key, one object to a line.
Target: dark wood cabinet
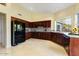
[
  {"x": 53, "y": 37},
  {"x": 74, "y": 46},
  {"x": 58, "y": 38},
  {"x": 47, "y": 35},
  {"x": 27, "y": 24},
  {"x": 43, "y": 36},
  {"x": 41, "y": 23},
  {"x": 28, "y": 35},
  {"x": 34, "y": 34}
]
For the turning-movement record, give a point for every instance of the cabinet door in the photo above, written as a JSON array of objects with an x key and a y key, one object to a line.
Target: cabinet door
[
  {"x": 57, "y": 38},
  {"x": 28, "y": 35},
  {"x": 44, "y": 35},
  {"x": 60, "y": 41},
  {"x": 35, "y": 25},
  {"x": 48, "y": 36},
  {"x": 38, "y": 35},
  {"x": 53, "y": 37},
  {"x": 30, "y": 25},
  {"x": 49, "y": 24},
  {"x": 34, "y": 35},
  {"x": 74, "y": 46}
]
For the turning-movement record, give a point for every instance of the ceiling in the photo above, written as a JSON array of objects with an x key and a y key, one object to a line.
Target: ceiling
[{"x": 45, "y": 7}]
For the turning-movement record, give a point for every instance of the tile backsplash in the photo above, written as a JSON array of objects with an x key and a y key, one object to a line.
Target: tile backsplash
[{"x": 39, "y": 29}]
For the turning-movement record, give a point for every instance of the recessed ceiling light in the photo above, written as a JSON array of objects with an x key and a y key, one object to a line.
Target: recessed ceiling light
[{"x": 31, "y": 9}]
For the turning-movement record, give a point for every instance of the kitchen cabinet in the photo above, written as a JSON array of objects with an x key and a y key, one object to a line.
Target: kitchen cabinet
[
  {"x": 61, "y": 39},
  {"x": 58, "y": 38},
  {"x": 28, "y": 35},
  {"x": 43, "y": 36},
  {"x": 41, "y": 24},
  {"x": 27, "y": 24},
  {"x": 74, "y": 46},
  {"x": 47, "y": 35},
  {"x": 34, "y": 35}
]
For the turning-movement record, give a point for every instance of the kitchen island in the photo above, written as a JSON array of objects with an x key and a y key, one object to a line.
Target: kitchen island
[{"x": 74, "y": 45}]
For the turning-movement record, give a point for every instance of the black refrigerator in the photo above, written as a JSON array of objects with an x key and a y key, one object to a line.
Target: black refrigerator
[{"x": 17, "y": 32}]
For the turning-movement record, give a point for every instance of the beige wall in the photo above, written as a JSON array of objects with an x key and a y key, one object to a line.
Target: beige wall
[{"x": 6, "y": 10}]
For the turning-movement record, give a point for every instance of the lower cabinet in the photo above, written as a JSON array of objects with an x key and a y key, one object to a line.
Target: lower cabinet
[
  {"x": 28, "y": 35},
  {"x": 74, "y": 46},
  {"x": 47, "y": 35},
  {"x": 54, "y": 37}
]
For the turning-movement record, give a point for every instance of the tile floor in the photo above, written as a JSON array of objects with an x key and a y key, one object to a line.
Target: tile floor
[{"x": 35, "y": 47}]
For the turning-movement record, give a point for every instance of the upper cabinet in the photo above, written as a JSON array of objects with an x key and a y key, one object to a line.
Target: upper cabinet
[{"x": 41, "y": 24}]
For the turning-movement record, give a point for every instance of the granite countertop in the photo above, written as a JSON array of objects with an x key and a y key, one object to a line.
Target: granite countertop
[
  {"x": 66, "y": 33},
  {"x": 70, "y": 35},
  {"x": 74, "y": 36}
]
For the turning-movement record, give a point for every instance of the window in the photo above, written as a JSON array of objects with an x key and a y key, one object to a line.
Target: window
[
  {"x": 77, "y": 21},
  {"x": 67, "y": 24},
  {"x": 67, "y": 20},
  {"x": 63, "y": 25},
  {"x": 58, "y": 26}
]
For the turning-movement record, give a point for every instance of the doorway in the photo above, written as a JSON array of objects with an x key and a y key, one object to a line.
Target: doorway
[{"x": 2, "y": 30}]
